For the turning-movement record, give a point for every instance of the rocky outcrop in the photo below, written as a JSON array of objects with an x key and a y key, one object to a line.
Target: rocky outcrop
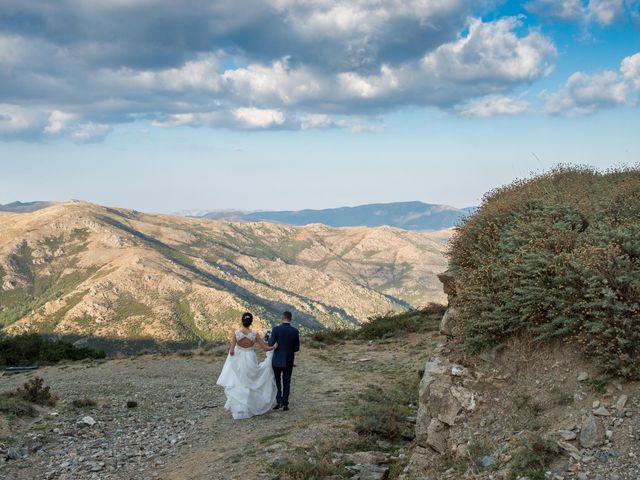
[
  {"x": 451, "y": 323},
  {"x": 445, "y": 397}
]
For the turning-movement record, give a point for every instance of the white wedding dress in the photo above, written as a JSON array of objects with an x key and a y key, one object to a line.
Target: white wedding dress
[{"x": 250, "y": 386}]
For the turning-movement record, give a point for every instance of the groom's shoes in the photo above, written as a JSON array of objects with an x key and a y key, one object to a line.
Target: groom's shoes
[
  {"x": 277, "y": 407},
  {"x": 285, "y": 408}
]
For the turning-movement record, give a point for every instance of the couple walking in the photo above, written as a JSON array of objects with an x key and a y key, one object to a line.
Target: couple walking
[{"x": 254, "y": 388}]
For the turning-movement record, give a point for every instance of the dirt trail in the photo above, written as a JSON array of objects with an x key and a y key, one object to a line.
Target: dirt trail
[{"x": 231, "y": 449}]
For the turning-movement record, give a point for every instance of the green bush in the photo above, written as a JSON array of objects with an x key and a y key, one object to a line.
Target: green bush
[
  {"x": 35, "y": 391},
  {"x": 383, "y": 327},
  {"x": 392, "y": 325},
  {"x": 557, "y": 255},
  {"x": 31, "y": 348},
  {"x": 383, "y": 413}
]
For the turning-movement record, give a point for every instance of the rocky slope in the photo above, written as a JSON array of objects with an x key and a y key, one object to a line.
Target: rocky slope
[{"x": 81, "y": 269}]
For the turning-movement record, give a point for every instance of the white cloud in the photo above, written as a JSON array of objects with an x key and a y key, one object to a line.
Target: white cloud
[
  {"x": 90, "y": 132},
  {"x": 58, "y": 121},
  {"x": 493, "y": 105},
  {"x": 601, "y": 12},
  {"x": 557, "y": 9},
  {"x": 315, "y": 120},
  {"x": 586, "y": 94},
  {"x": 259, "y": 117},
  {"x": 606, "y": 12},
  {"x": 255, "y": 64},
  {"x": 15, "y": 120},
  {"x": 493, "y": 52},
  {"x": 630, "y": 69},
  {"x": 490, "y": 58}
]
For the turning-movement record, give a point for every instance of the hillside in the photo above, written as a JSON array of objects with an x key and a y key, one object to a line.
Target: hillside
[
  {"x": 81, "y": 269},
  {"x": 407, "y": 215}
]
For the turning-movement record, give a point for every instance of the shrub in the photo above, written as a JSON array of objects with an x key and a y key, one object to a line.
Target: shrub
[
  {"x": 533, "y": 457},
  {"x": 392, "y": 325},
  {"x": 30, "y": 348},
  {"x": 84, "y": 402},
  {"x": 382, "y": 414},
  {"x": 557, "y": 255},
  {"x": 12, "y": 405},
  {"x": 35, "y": 391},
  {"x": 305, "y": 467}
]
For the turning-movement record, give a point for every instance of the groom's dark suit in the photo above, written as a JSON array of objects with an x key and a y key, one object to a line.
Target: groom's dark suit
[{"x": 288, "y": 339}]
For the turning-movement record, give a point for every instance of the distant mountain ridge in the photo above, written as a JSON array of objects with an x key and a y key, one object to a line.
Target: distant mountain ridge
[
  {"x": 24, "y": 207},
  {"x": 406, "y": 215}
]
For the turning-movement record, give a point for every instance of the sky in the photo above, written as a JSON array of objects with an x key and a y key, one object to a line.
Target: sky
[{"x": 287, "y": 104}]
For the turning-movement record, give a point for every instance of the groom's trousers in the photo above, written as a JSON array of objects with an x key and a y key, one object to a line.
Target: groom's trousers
[{"x": 283, "y": 384}]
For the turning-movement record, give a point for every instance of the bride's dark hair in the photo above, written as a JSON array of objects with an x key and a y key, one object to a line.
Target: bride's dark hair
[{"x": 247, "y": 319}]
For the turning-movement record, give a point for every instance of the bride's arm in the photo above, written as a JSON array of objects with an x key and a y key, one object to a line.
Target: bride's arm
[
  {"x": 264, "y": 345},
  {"x": 232, "y": 345}
]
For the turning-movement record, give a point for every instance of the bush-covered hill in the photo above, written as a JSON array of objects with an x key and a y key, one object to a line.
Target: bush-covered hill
[{"x": 556, "y": 255}]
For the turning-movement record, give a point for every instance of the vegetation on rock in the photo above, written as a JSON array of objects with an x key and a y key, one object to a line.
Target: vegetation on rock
[{"x": 556, "y": 255}]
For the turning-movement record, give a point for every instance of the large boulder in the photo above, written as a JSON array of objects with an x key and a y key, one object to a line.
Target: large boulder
[
  {"x": 592, "y": 433},
  {"x": 451, "y": 324}
]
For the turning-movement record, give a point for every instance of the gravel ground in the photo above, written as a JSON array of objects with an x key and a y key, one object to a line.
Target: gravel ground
[{"x": 180, "y": 430}]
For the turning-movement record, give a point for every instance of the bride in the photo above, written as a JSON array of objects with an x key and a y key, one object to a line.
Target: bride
[{"x": 249, "y": 386}]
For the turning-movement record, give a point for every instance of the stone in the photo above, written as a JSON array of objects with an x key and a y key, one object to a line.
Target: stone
[
  {"x": 582, "y": 376},
  {"x": 622, "y": 402},
  {"x": 442, "y": 404},
  {"x": 422, "y": 422},
  {"x": 274, "y": 447},
  {"x": 487, "y": 461},
  {"x": 367, "y": 458},
  {"x": 448, "y": 283},
  {"x": 601, "y": 412},
  {"x": 591, "y": 433},
  {"x": 370, "y": 472},
  {"x": 570, "y": 449},
  {"x": 132, "y": 404},
  {"x": 437, "y": 435},
  {"x": 88, "y": 421},
  {"x": 464, "y": 397},
  {"x": 449, "y": 323},
  {"x": 567, "y": 435},
  {"x": 14, "y": 453}
]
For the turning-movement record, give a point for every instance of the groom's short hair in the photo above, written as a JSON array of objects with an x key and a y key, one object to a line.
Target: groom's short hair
[{"x": 287, "y": 315}]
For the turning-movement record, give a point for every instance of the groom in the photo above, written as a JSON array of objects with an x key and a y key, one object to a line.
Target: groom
[{"x": 288, "y": 339}]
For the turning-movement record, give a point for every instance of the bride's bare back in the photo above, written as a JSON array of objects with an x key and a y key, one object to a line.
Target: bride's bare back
[{"x": 247, "y": 338}]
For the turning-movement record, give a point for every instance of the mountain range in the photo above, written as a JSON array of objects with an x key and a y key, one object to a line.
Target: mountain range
[
  {"x": 23, "y": 207},
  {"x": 81, "y": 269},
  {"x": 417, "y": 216}
]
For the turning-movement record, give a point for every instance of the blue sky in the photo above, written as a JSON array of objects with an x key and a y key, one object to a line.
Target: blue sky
[{"x": 309, "y": 104}]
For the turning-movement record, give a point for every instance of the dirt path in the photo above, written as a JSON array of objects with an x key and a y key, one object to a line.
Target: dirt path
[
  {"x": 180, "y": 430},
  {"x": 241, "y": 449}
]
